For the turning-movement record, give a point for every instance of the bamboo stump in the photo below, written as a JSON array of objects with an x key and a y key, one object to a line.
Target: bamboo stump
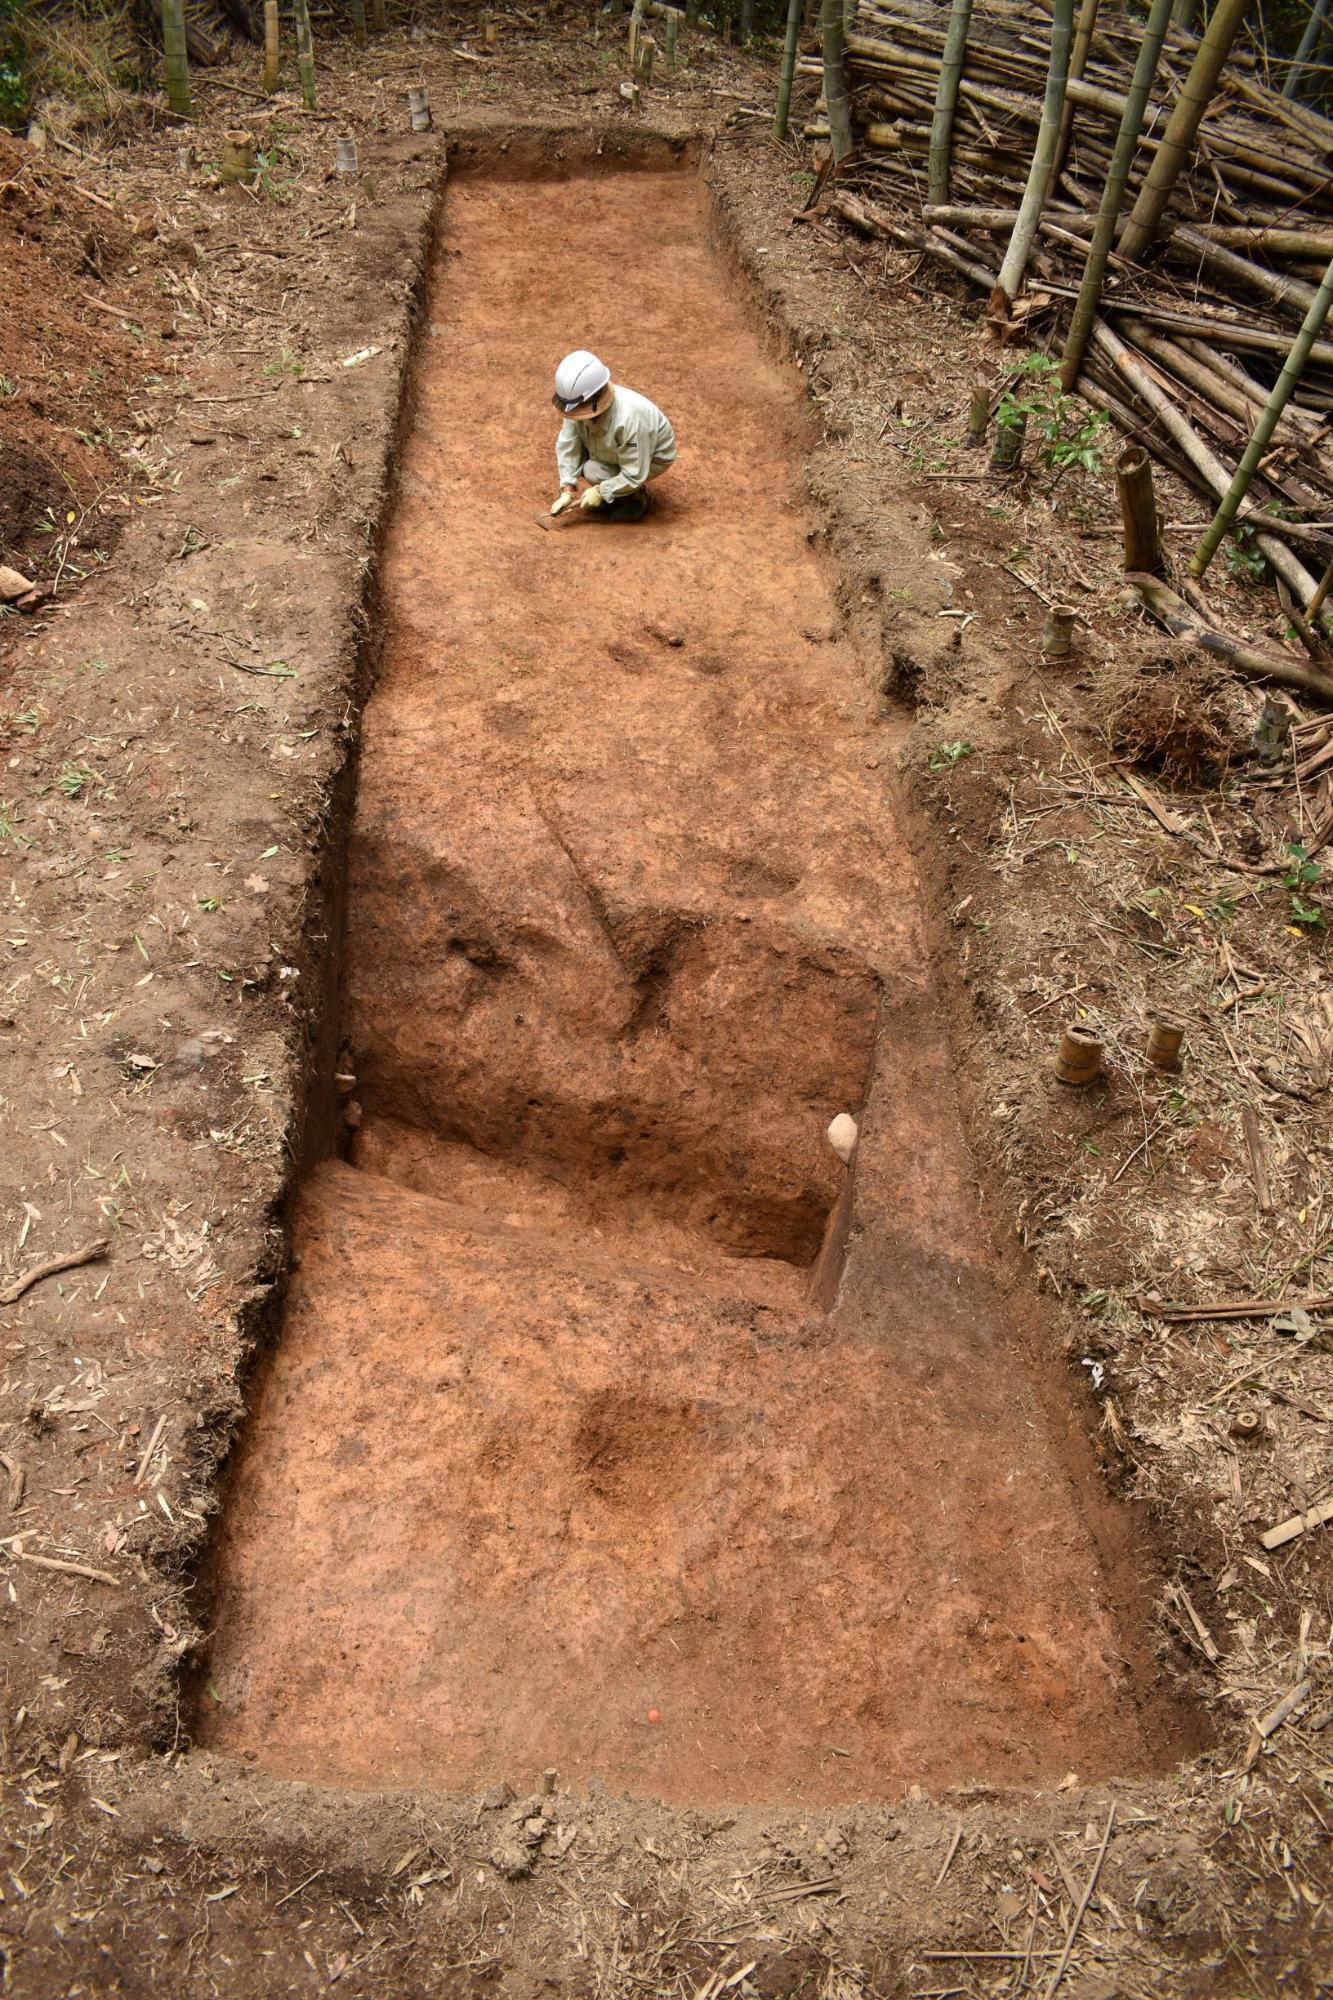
[
  {"x": 1007, "y": 451},
  {"x": 1078, "y": 1060},
  {"x": 1057, "y": 638},
  {"x": 418, "y": 107},
  {"x": 978, "y": 417},
  {"x": 1165, "y": 1036},
  {"x": 1138, "y": 508},
  {"x": 238, "y": 158}
]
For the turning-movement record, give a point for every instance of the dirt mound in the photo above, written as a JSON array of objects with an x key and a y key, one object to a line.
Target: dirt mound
[
  {"x": 1177, "y": 716},
  {"x": 79, "y": 330}
]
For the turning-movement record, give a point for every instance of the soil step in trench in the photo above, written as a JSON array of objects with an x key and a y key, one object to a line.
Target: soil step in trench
[
  {"x": 552, "y": 1437},
  {"x": 497, "y": 1507}
]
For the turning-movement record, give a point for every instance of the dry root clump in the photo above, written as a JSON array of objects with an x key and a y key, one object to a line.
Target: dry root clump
[{"x": 1177, "y": 715}]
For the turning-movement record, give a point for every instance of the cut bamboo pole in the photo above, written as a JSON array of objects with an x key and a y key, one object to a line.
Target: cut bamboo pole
[
  {"x": 1292, "y": 370},
  {"x": 1015, "y": 263},
  {"x": 1113, "y": 194},
  {"x": 305, "y": 52},
  {"x": 1196, "y": 94},
  {"x": 1286, "y": 291},
  {"x": 946, "y": 100},
  {"x": 785, "y": 75},
  {"x": 834, "y": 32},
  {"x": 1138, "y": 509},
  {"x": 176, "y": 60},
  {"x": 272, "y": 46},
  {"x": 673, "y": 30},
  {"x": 1316, "y": 603}
]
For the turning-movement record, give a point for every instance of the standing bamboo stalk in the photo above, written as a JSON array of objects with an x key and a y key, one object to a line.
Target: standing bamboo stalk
[
  {"x": 1113, "y": 192},
  {"x": 359, "y": 23},
  {"x": 1292, "y": 369},
  {"x": 305, "y": 52},
  {"x": 1313, "y": 29},
  {"x": 1043, "y": 161},
  {"x": 1078, "y": 62},
  {"x": 788, "y": 69},
  {"x": 378, "y": 19},
  {"x": 946, "y": 99},
  {"x": 747, "y": 23},
  {"x": 672, "y": 30},
  {"x": 1196, "y": 94},
  {"x": 177, "y": 61},
  {"x": 835, "y": 79},
  {"x": 272, "y": 46}
]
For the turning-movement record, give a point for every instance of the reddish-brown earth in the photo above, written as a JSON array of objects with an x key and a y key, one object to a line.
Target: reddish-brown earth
[{"x": 561, "y": 1430}]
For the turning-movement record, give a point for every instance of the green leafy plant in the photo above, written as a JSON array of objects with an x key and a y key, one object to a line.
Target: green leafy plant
[
  {"x": 74, "y": 780},
  {"x": 1067, "y": 433},
  {"x": 1245, "y": 560},
  {"x": 944, "y": 756},
  {"x": 1300, "y": 877}
]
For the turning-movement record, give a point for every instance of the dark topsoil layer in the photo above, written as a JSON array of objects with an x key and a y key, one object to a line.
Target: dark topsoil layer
[{"x": 177, "y": 779}]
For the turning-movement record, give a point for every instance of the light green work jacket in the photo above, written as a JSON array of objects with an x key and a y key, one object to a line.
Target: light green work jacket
[{"x": 632, "y": 435}]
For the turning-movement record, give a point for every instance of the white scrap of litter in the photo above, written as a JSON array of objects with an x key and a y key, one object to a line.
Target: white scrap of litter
[
  {"x": 1096, "y": 1371},
  {"x": 362, "y": 354},
  {"x": 842, "y": 1135}
]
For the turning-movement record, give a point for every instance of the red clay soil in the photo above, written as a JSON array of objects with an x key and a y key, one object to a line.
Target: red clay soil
[{"x": 561, "y": 1458}]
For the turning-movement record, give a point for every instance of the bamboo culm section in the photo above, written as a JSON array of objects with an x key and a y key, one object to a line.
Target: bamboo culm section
[
  {"x": 788, "y": 70},
  {"x": 1014, "y": 267},
  {"x": 272, "y": 46},
  {"x": 305, "y": 52},
  {"x": 1286, "y": 382},
  {"x": 946, "y": 99},
  {"x": 176, "y": 61},
  {"x": 1183, "y": 126},
  {"x": 835, "y": 80},
  {"x": 1113, "y": 193}
]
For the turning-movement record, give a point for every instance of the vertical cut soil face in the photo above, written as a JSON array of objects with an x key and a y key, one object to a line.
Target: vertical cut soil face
[{"x": 563, "y": 1457}]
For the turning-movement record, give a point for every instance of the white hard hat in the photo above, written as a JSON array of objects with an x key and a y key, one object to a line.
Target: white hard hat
[{"x": 579, "y": 379}]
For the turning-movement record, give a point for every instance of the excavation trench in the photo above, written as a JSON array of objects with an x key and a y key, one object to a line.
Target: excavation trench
[{"x": 609, "y": 1427}]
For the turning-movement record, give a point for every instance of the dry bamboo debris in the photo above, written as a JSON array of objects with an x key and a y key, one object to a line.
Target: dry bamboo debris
[{"x": 1252, "y": 224}]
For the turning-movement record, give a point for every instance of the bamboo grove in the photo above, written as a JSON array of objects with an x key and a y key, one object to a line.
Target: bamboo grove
[{"x": 1144, "y": 204}]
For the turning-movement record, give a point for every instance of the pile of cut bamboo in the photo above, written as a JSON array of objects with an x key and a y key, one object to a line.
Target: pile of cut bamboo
[{"x": 1189, "y": 342}]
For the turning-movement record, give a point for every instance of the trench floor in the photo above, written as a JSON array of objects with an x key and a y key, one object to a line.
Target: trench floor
[{"x": 612, "y": 1427}]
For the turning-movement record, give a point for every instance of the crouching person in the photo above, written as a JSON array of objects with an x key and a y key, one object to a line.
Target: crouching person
[{"x": 613, "y": 438}]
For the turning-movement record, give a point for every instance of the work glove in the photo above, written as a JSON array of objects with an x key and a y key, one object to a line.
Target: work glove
[
  {"x": 592, "y": 498},
  {"x": 566, "y": 499}
]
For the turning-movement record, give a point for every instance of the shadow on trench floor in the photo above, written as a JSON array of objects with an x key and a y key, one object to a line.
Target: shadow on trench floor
[{"x": 559, "y": 1460}]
